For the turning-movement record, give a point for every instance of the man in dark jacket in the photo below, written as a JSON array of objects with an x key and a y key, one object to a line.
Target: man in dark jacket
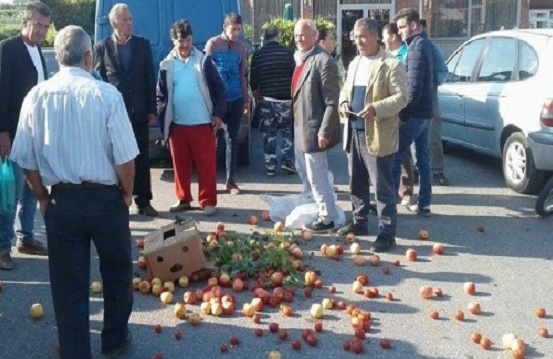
[
  {"x": 125, "y": 61},
  {"x": 21, "y": 67},
  {"x": 271, "y": 72},
  {"x": 191, "y": 103},
  {"x": 417, "y": 115}
]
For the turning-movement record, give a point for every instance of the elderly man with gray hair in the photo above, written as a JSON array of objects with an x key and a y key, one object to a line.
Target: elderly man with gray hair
[
  {"x": 373, "y": 94},
  {"x": 74, "y": 135}
]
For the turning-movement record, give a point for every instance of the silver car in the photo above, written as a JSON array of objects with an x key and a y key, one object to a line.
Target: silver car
[{"x": 498, "y": 100}]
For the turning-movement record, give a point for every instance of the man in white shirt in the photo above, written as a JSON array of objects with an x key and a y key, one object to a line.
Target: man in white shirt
[
  {"x": 75, "y": 136},
  {"x": 21, "y": 67}
]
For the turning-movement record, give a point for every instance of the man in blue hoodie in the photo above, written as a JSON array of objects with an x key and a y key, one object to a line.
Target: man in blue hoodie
[{"x": 416, "y": 117}]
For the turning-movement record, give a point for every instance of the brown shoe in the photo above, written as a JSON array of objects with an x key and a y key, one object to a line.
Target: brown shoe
[
  {"x": 32, "y": 247},
  {"x": 148, "y": 211},
  {"x": 6, "y": 262}
]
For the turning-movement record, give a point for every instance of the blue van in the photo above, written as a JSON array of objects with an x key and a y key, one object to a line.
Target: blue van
[{"x": 152, "y": 19}]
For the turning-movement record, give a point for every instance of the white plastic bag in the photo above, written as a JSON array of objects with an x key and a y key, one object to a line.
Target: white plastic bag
[
  {"x": 307, "y": 213},
  {"x": 281, "y": 206}
]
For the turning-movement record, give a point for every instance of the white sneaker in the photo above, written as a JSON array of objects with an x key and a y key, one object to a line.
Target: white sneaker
[{"x": 210, "y": 210}]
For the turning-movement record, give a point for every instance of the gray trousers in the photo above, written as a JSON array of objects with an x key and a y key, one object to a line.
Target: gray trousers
[
  {"x": 363, "y": 169},
  {"x": 313, "y": 171}
]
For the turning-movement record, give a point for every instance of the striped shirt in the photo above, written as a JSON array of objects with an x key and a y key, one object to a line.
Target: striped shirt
[
  {"x": 271, "y": 71},
  {"x": 73, "y": 129}
]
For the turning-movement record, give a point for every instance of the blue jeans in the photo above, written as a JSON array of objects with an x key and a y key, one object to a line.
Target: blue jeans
[
  {"x": 415, "y": 130},
  {"x": 24, "y": 213}
]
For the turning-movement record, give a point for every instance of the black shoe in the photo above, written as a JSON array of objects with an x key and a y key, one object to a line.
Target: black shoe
[
  {"x": 383, "y": 243},
  {"x": 289, "y": 168},
  {"x": 354, "y": 227},
  {"x": 440, "y": 179},
  {"x": 114, "y": 353},
  {"x": 319, "y": 225},
  {"x": 180, "y": 206}
]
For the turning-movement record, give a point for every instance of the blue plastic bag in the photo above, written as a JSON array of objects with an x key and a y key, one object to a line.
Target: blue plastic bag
[{"x": 7, "y": 187}]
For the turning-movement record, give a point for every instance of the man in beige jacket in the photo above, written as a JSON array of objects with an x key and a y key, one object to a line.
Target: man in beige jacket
[{"x": 374, "y": 92}]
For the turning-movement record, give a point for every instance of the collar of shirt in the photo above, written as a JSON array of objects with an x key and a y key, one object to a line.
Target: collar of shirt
[
  {"x": 75, "y": 71},
  {"x": 302, "y": 56},
  {"x": 185, "y": 61},
  {"x": 120, "y": 42}
]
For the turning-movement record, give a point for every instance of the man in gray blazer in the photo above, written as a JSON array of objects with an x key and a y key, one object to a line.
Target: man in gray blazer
[{"x": 315, "y": 93}]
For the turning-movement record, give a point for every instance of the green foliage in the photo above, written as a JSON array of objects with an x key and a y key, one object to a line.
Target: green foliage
[
  {"x": 50, "y": 36},
  {"x": 286, "y": 28}
]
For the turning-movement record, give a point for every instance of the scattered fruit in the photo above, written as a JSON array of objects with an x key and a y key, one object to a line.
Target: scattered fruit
[
  {"x": 166, "y": 297},
  {"x": 234, "y": 341},
  {"x": 459, "y": 315},
  {"x": 194, "y": 319},
  {"x": 317, "y": 311},
  {"x": 318, "y": 326},
  {"x": 474, "y": 308},
  {"x": 347, "y": 345},
  {"x": 543, "y": 332},
  {"x": 283, "y": 334},
  {"x": 253, "y": 220},
  {"x": 266, "y": 215},
  {"x": 423, "y": 235},
  {"x": 357, "y": 287},
  {"x": 158, "y": 329},
  {"x": 389, "y": 296},
  {"x": 354, "y": 248},
  {"x": 296, "y": 345},
  {"x": 258, "y": 332},
  {"x": 485, "y": 343},
  {"x": 469, "y": 288},
  {"x": 395, "y": 263},
  {"x": 36, "y": 311},
  {"x": 386, "y": 270},
  {"x": 96, "y": 287},
  {"x": 223, "y": 348},
  {"x": 178, "y": 334},
  {"x": 359, "y": 260},
  {"x": 350, "y": 237},
  {"x": 480, "y": 229},
  {"x": 426, "y": 292},
  {"x": 307, "y": 235},
  {"x": 540, "y": 312},
  {"x": 385, "y": 343},
  {"x": 332, "y": 289},
  {"x": 180, "y": 310},
  {"x": 476, "y": 337},
  {"x": 438, "y": 292},
  {"x": 411, "y": 255},
  {"x": 278, "y": 227},
  {"x": 434, "y": 314},
  {"x": 374, "y": 260},
  {"x": 274, "y": 355},
  {"x": 438, "y": 248},
  {"x": 273, "y": 327}
]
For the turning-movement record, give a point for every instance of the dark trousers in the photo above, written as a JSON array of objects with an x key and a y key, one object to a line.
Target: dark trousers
[
  {"x": 74, "y": 218},
  {"x": 233, "y": 117},
  {"x": 363, "y": 169},
  {"x": 142, "y": 183}
]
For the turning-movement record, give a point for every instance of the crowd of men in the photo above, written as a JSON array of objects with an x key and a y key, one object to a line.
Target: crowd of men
[{"x": 80, "y": 146}]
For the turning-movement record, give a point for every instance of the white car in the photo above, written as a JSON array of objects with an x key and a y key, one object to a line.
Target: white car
[{"x": 498, "y": 100}]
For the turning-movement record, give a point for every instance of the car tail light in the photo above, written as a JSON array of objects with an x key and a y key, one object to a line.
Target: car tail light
[{"x": 547, "y": 113}]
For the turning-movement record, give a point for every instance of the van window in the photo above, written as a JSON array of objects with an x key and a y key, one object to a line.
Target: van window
[
  {"x": 499, "y": 62},
  {"x": 206, "y": 21},
  {"x": 527, "y": 61},
  {"x": 468, "y": 57}
]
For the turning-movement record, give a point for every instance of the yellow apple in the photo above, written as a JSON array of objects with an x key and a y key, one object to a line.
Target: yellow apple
[
  {"x": 96, "y": 287},
  {"x": 183, "y": 282},
  {"x": 180, "y": 310},
  {"x": 166, "y": 297},
  {"x": 317, "y": 311},
  {"x": 36, "y": 311}
]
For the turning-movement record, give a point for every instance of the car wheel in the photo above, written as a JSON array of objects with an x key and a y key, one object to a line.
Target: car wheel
[{"x": 519, "y": 170}]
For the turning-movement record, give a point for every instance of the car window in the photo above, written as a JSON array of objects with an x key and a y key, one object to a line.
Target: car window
[
  {"x": 461, "y": 69},
  {"x": 499, "y": 62},
  {"x": 527, "y": 61}
]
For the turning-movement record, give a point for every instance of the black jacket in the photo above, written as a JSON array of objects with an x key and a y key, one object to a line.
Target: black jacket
[
  {"x": 18, "y": 76},
  {"x": 138, "y": 85},
  {"x": 420, "y": 78}
]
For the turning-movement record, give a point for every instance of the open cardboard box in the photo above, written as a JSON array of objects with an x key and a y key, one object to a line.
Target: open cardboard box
[{"x": 174, "y": 250}]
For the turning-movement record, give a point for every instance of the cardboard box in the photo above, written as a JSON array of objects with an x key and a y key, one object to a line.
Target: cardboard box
[{"x": 174, "y": 250}]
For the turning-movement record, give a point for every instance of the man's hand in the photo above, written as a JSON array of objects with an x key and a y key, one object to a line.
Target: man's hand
[
  {"x": 43, "y": 205},
  {"x": 323, "y": 143},
  {"x": 246, "y": 109},
  {"x": 368, "y": 112},
  {"x": 5, "y": 144},
  {"x": 344, "y": 107},
  {"x": 216, "y": 122},
  {"x": 152, "y": 119},
  {"x": 128, "y": 199}
]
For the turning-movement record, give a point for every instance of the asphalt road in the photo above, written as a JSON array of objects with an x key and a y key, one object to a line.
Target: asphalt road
[{"x": 510, "y": 262}]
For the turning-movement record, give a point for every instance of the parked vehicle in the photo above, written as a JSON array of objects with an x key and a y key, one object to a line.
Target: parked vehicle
[
  {"x": 544, "y": 203},
  {"x": 152, "y": 20},
  {"x": 498, "y": 100}
]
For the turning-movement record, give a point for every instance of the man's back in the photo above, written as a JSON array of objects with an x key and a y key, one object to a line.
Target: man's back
[
  {"x": 79, "y": 124},
  {"x": 272, "y": 67}
]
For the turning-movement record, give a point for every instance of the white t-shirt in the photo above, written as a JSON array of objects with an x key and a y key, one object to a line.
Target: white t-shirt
[
  {"x": 35, "y": 56},
  {"x": 363, "y": 71}
]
